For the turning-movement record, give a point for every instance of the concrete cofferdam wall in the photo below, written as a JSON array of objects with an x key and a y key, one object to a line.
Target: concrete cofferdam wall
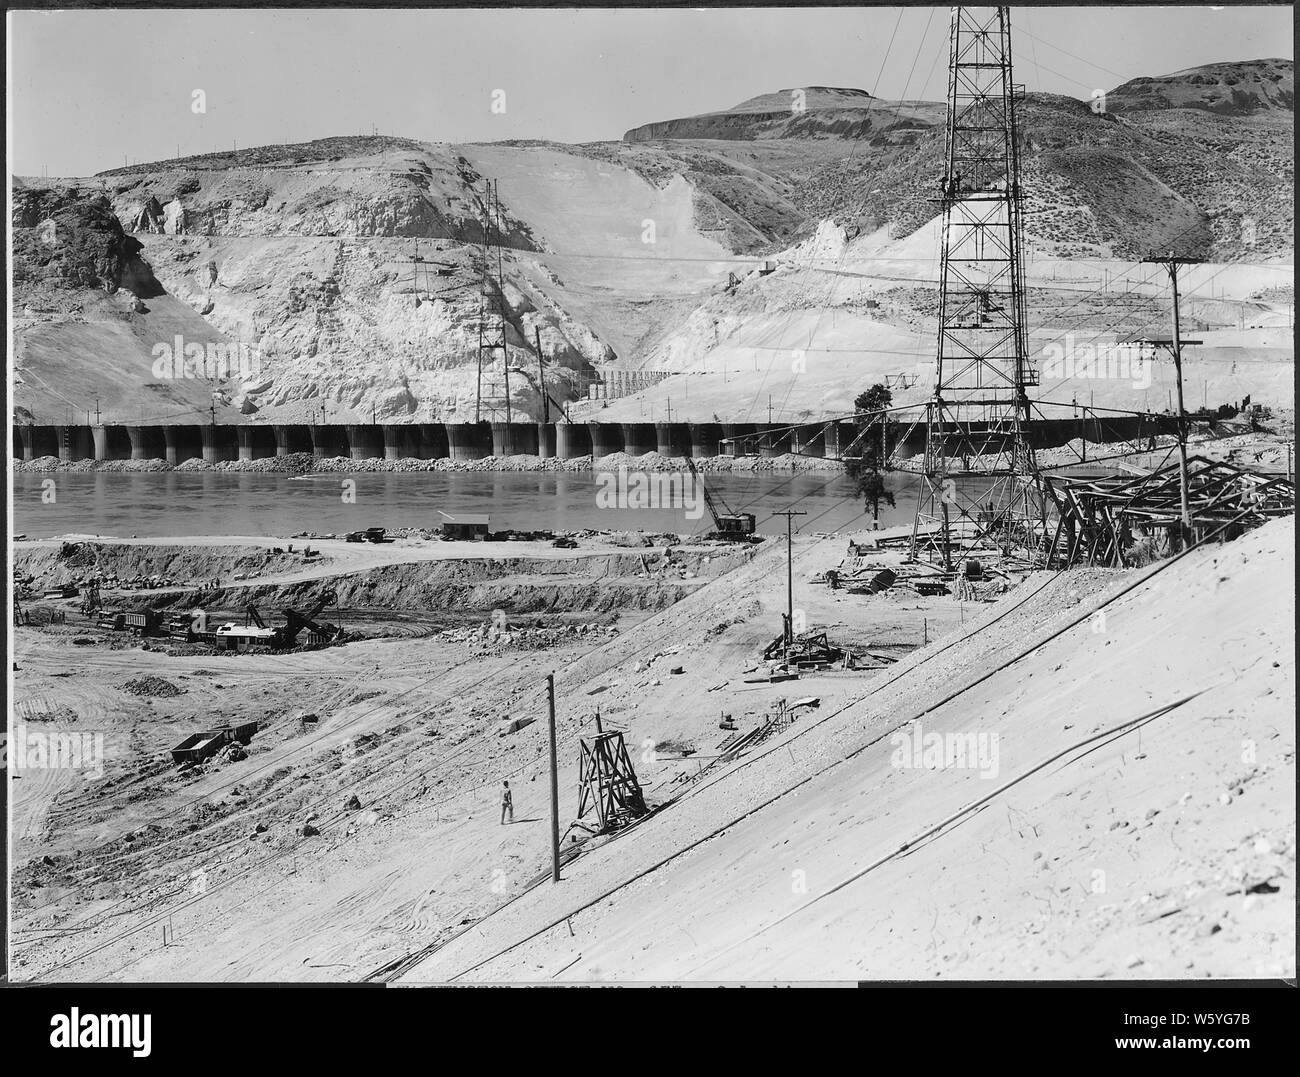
[
  {"x": 1041, "y": 433},
  {"x": 706, "y": 439},
  {"x": 475, "y": 441},
  {"x": 606, "y": 438},
  {"x": 469, "y": 441},
  {"x": 640, "y": 438},
  {"x": 572, "y": 440},
  {"x": 673, "y": 439}
]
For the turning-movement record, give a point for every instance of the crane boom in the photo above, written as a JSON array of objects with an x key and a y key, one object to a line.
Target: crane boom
[{"x": 729, "y": 524}]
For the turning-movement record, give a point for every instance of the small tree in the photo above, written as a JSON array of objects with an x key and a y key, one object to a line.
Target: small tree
[
  {"x": 871, "y": 485},
  {"x": 873, "y": 400},
  {"x": 865, "y": 469}
]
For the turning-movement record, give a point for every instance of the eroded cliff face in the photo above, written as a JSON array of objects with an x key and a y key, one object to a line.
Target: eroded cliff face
[
  {"x": 69, "y": 238},
  {"x": 359, "y": 328},
  {"x": 301, "y": 260},
  {"x": 88, "y": 312}
]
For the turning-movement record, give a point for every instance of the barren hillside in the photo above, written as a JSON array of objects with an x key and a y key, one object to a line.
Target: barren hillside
[{"x": 352, "y": 264}]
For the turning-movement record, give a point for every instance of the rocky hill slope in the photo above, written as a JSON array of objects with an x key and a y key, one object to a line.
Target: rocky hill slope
[
  {"x": 87, "y": 312},
  {"x": 351, "y": 266},
  {"x": 1241, "y": 89}
]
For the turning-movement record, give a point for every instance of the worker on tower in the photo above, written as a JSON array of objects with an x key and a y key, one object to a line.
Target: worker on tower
[{"x": 507, "y": 804}]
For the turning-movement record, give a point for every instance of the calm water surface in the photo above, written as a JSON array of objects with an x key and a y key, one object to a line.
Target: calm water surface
[{"x": 164, "y": 504}]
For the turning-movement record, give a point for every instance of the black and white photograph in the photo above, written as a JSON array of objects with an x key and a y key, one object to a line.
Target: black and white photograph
[{"x": 542, "y": 496}]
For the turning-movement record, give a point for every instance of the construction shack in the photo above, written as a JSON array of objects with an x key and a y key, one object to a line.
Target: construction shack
[{"x": 466, "y": 528}]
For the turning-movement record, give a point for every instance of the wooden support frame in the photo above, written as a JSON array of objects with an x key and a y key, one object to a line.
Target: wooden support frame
[{"x": 607, "y": 782}]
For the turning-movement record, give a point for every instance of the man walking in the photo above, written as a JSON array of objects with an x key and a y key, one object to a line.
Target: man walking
[{"x": 507, "y": 805}]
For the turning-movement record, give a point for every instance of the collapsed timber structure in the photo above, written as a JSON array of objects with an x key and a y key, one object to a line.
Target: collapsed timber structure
[{"x": 1116, "y": 520}]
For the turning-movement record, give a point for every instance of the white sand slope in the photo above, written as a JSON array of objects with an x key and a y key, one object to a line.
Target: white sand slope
[{"x": 1164, "y": 851}]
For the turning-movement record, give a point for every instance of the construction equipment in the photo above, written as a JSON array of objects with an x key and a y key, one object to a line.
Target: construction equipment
[
  {"x": 199, "y": 746},
  {"x": 114, "y": 620},
  {"x": 90, "y": 600},
  {"x": 318, "y": 631},
  {"x": 732, "y": 526},
  {"x": 882, "y": 580},
  {"x": 181, "y": 627},
  {"x": 808, "y": 650},
  {"x": 254, "y": 631},
  {"x": 142, "y": 622}
]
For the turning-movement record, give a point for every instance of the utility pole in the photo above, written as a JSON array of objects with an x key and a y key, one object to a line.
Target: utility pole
[
  {"x": 555, "y": 786},
  {"x": 789, "y": 515},
  {"x": 1171, "y": 264}
]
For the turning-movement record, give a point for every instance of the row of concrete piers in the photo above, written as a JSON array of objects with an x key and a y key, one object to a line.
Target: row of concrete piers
[
  {"x": 476, "y": 441},
  {"x": 425, "y": 441}
]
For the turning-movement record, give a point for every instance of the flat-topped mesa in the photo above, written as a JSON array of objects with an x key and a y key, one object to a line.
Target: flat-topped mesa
[{"x": 796, "y": 112}]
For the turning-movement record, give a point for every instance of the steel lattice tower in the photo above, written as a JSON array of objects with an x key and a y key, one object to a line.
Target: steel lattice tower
[{"x": 980, "y": 482}]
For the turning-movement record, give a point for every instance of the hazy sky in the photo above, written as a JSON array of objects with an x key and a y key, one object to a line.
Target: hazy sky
[{"x": 90, "y": 88}]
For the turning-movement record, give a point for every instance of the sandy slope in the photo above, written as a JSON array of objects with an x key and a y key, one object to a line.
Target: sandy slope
[
  {"x": 621, "y": 256},
  {"x": 426, "y": 857},
  {"x": 104, "y": 356},
  {"x": 827, "y": 325},
  {"x": 1126, "y": 857}
]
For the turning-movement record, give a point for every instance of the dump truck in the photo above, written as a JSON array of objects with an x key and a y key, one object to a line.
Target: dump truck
[
  {"x": 199, "y": 746},
  {"x": 144, "y": 622}
]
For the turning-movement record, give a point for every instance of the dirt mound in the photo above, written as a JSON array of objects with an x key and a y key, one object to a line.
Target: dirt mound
[{"x": 152, "y": 686}]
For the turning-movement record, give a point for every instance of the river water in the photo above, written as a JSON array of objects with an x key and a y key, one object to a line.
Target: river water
[{"x": 161, "y": 504}]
